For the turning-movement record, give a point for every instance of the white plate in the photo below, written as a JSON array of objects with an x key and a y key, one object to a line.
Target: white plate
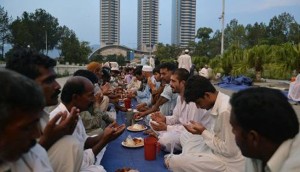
[
  {"x": 133, "y": 146},
  {"x": 136, "y": 130},
  {"x": 135, "y": 111}
]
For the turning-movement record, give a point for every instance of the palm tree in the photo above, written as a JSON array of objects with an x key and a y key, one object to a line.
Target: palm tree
[{"x": 256, "y": 58}]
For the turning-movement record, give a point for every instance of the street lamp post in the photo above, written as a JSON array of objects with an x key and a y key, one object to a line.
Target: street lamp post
[
  {"x": 222, "y": 17},
  {"x": 46, "y": 40},
  {"x": 46, "y": 35}
]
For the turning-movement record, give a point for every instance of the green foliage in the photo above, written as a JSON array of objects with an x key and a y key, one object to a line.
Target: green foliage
[
  {"x": 96, "y": 58},
  {"x": 4, "y": 29},
  {"x": 167, "y": 52},
  {"x": 73, "y": 50},
  {"x": 200, "y": 61},
  {"x": 120, "y": 59},
  {"x": 33, "y": 28}
]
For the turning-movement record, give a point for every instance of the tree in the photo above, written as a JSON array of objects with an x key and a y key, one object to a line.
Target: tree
[
  {"x": 73, "y": 50},
  {"x": 202, "y": 48},
  {"x": 235, "y": 34},
  {"x": 4, "y": 29},
  {"x": 256, "y": 34},
  {"x": 167, "y": 52},
  {"x": 279, "y": 28},
  {"x": 294, "y": 33},
  {"x": 33, "y": 28}
]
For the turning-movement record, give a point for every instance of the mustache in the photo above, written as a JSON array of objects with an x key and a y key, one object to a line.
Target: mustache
[{"x": 57, "y": 92}]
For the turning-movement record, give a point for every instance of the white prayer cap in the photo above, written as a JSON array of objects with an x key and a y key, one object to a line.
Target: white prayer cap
[
  {"x": 147, "y": 68},
  {"x": 106, "y": 64},
  {"x": 115, "y": 68},
  {"x": 186, "y": 51}
]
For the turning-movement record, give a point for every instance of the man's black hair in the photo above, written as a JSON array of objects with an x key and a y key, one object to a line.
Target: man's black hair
[
  {"x": 28, "y": 62},
  {"x": 169, "y": 66},
  {"x": 74, "y": 85},
  {"x": 267, "y": 111},
  {"x": 195, "y": 88},
  {"x": 182, "y": 74},
  {"x": 18, "y": 93},
  {"x": 87, "y": 74}
]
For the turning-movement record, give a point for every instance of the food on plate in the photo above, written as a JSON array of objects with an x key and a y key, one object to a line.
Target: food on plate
[
  {"x": 132, "y": 142},
  {"x": 137, "y": 127}
]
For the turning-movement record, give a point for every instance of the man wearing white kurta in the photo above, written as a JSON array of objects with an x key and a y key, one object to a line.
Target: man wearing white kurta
[
  {"x": 185, "y": 61},
  {"x": 79, "y": 91},
  {"x": 33, "y": 161},
  {"x": 220, "y": 152},
  {"x": 40, "y": 68},
  {"x": 80, "y": 133},
  {"x": 294, "y": 90},
  {"x": 167, "y": 100},
  {"x": 256, "y": 114},
  {"x": 171, "y": 127},
  {"x": 183, "y": 113}
]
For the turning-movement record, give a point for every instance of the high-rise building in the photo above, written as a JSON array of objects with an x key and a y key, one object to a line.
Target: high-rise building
[
  {"x": 147, "y": 24},
  {"x": 183, "y": 22},
  {"x": 109, "y": 22}
]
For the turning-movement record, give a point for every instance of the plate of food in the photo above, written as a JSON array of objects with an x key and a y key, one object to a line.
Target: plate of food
[
  {"x": 135, "y": 142},
  {"x": 136, "y": 127}
]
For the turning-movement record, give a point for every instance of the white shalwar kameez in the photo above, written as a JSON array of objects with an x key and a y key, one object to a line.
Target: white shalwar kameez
[
  {"x": 63, "y": 158},
  {"x": 89, "y": 161},
  {"x": 183, "y": 113},
  {"x": 36, "y": 160},
  {"x": 185, "y": 61},
  {"x": 294, "y": 90},
  {"x": 215, "y": 150}
]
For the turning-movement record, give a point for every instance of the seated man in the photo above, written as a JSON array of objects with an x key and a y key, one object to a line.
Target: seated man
[
  {"x": 79, "y": 92},
  {"x": 167, "y": 100},
  {"x": 96, "y": 68},
  {"x": 21, "y": 107},
  {"x": 215, "y": 149},
  {"x": 143, "y": 95},
  {"x": 294, "y": 90},
  {"x": 94, "y": 119},
  {"x": 159, "y": 87},
  {"x": 171, "y": 127},
  {"x": 266, "y": 129},
  {"x": 135, "y": 83},
  {"x": 40, "y": 68}
]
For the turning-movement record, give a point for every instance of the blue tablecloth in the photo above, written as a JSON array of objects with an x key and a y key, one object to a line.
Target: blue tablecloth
[{"x": 116, "y": 156}]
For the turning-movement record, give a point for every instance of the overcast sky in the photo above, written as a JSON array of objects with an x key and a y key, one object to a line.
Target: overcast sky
[{"x": 82, "y": 16}]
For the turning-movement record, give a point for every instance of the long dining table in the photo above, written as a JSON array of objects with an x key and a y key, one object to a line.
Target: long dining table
[{"x": 117, "y": 156}]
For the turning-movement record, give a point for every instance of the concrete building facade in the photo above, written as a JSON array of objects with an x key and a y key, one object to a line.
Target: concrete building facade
[
  {"x": 109, "y": 22},
  {"x": 183, "y": 22},
  {"x": 147, "y": 36}
]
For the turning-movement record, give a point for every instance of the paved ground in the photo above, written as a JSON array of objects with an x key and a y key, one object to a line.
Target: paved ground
[{"x": 277, "y": 84}]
